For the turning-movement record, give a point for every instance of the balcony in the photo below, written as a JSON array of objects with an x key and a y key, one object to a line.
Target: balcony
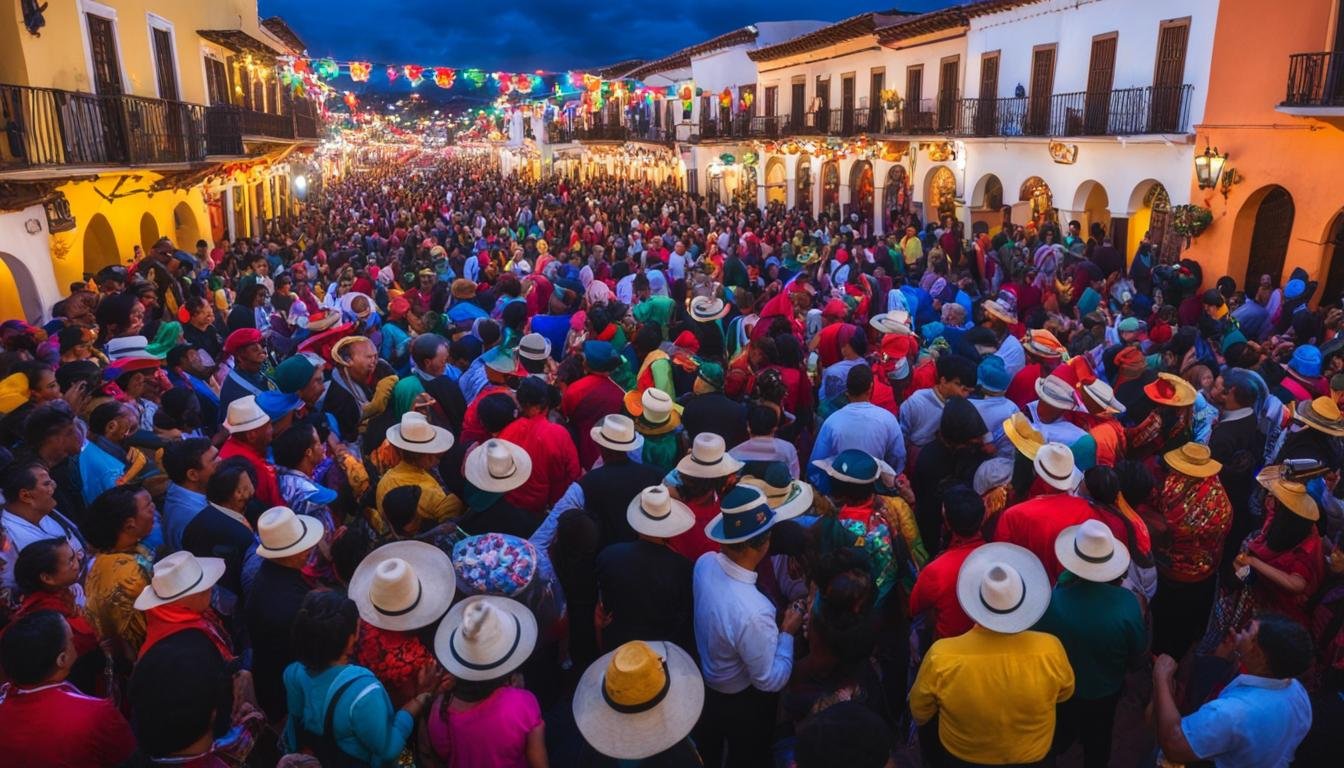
[
  {"x": 226, "y": 127},
  {"x": 1315, "y": 85},
  {"x": 51, "y": 128},
  {"x": 1120, "y": 112},
  {"x": 723, "y": 129}
]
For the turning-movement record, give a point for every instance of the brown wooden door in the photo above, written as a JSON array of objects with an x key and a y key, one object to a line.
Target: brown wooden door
[
  {"x": 823, "y": 116},
  {"x": 1269, "y": 238},
  {"x": 914, "y": 96},
  {"x": 948, "y": 75},
  {"x": 771, "y": 101},
  {"x": 847, "y": 103},
  {"x": 106, "y": 64},
  {"x": 1042, "y": 83},
  {"x": 163, "y": 62},
  {"x": 876, "y": 83},
  {"x": 216, "y": 82},
  {"x": 797, "y": 105},
  {"x": 1168, "y": 77},
  {"x": 986, "y": 108},
  {"x": 1100, "y": 81}
]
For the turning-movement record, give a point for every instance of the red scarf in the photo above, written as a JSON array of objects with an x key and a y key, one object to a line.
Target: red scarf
[
  {"x": 63, "y": 602},
  {"x": 167, "y": 620}
]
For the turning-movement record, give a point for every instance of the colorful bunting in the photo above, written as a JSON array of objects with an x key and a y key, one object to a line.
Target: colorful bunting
[
  {"x": 444, "y": 76},
  {"x": 415, "y": 73},
  {"x": 360, "y": 70}
]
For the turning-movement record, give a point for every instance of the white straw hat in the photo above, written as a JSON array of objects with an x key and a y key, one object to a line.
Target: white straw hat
[
  {"x": 415, "y": 434},
  {"x": 497, "y": 466},
  {"x": 655, "y": 513},
  {"x": 485, "y": 637},
  {"x": 1104, "y": 395},
  {"x": 706, "y": 308},
  {"x": 244, "y": 415},
  {"x": 639, "y": 700},
  {"x": 708, "y": 458},
  {"x": 404, "y": 585},
  {"x": 1003, "y": 587},
  {"x": 282, "y": 533},
  {"x": 1054, "y": 464},
  {"x": 1057, "y": 392},
  {"x": 658, "y": 406},
  {"x": 617, "y": 432},
  {"x": 896, "y": 321},
  {"x": 534, "y": 346},
  {"x": 1090, "y": 551},
  {"x": 179, "y": 575},
  {"x": 130, "y": 348}
]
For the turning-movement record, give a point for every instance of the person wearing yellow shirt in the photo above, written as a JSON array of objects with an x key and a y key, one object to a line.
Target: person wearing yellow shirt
[
  {"x": 912, "y": 249},
  {"x": 420, "y": 445},
  {"x": 988, "y": 697}
]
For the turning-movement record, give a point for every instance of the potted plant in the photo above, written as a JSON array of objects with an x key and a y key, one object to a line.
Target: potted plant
[
  {"x": 1190, "y": 221},
  {"x": 891, "y": 103}
]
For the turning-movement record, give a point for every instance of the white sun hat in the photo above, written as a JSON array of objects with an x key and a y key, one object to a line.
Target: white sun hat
[
  {"x": 282, "y": 533},
  {"x": 655, "y": 513},
  {"x": 617, "y": 432},
  {"x": 1003, "y": 587},
  {"x": 179, "y": 575},
  {"x": 404, "y": 585},
  {"x": 639, "y": 699},
  {"x": 1090, "y": 551},
  {"x": 415, "y": 434},
  {"x": 244, "y": 415},
  {"x": 485, "y": 637},
  {"x": 497, "y": 466},
  {"x": 1057, "y": 392},
  {"x": 1055, "y": 465}
]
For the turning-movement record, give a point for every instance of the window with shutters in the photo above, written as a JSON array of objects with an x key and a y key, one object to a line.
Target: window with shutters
[
  {"x": 914, "y": 96},
  {"x": 949, "y": 81},
  {"x": 877, "y": 82},
  {"x": 216, "y": 81},
  {"x": 797, "y": 104},
  {"x": 771, "y": 100},
  {"x": 165, "y": 62},
  {"x": 1169, "y": 76},
  {"x": 1042, "y": 83},
  {"x": 103, "y": 49},
  {"x": 987, "y": 106},
  {"x": 1100, "y": 81}
]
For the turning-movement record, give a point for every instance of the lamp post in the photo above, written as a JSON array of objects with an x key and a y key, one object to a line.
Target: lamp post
[{"x": 1209, "y": 167}]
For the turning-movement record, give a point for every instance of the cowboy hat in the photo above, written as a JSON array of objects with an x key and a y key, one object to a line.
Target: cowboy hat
[
  {"x": 706, "y": 309},
  {"x": 655, "y": 513},
  {"x": 282, "y": 533},
  {"x": 130, "y": 347},
  {"x": 415, "y": 434},
  {"x": 1054, "y": 391},
  {"x": 177, "y": 576},
  {"x": 653, "y": 411},
  {"x": 1003, "y": 587},
  {"x": 616, "y": 432},
  {"x": 896, "y": 321},
  {"x": 1042, "y": 343},
  {"x": 1290, "y": 493},
  {"x": 1193, "y": 459},
  {"x": 1170, "y": 389},
  {"x": 1090, "y": 551},
  {"x": 1322, "y": 415},
  {"x": 1023, "y": 435},
  {"x": 485, "y": 637},
  {"x": 245, "y": 415},
  {"x": 744, "y": 515},
  {"x": 497, "y": 466},
  {"x": 789, "y": 498},
  {"x": 999, "y": 310},
  {"x": 639, "y": 700},
  {"x": 708, "y": 458},
  {"x": 1055, "y": 465},
  {"x": 1103, "y": 395},
  {"x": 534, "y": 346},
  {"x": 403, "y": 586},
  {"x": 854, "y": 466}
]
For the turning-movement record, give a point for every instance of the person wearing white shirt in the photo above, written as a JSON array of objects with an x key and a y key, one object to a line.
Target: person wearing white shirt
[
  {"x": 1060, "y": 430},
  {"x": 762, "y": 421},
  {"x": 860, "y": 425},
  {"x": 993, "y": 379},
  {"x": 676, "y": 262},
  {"x": 744, "y": 657},
  {"x": 30, "y": 515},
  {"x": 1013, "y": 355}
]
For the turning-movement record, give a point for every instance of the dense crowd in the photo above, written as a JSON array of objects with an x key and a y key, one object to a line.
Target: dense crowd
[{"x": 477, "y": 471}]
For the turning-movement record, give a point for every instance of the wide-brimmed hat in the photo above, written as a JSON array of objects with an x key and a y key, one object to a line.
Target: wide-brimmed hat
[
  {"x": 1057, "y": 392},
  {"x": 854, "y": 466},
  {"x": 744, "y": 515},
  {"x": 403, "y": 585},
  {"x": 485, "y": 637},
  {"x": 1090, "y": 551},
  {"x": 705, "y": 309},
  {"x": 617, "y": 432},
  {"x": 708, "y": 458},
  {"x": 534, "y": 346},
  {"x": 497, "y": 466},
  {"x": 1103, "y": 395},
  {"x": 1003, "y": 587},
  {"x": 639, "y": 699},
  {"x": 1055, "y": 465},
  {"x": 789, "y": 498},
  {"x": 655, "y": 513},
  {"x": 282, "y": 533},
  {"x": 1023, "y": 435},
  {"x": 129, "y": 348},
  {"x": 245, "y": 415},
  {"x": 179, "y": 575},
  {"x": 1322, "y": 415},
  {"x": 896, "y": 321},
  {"x": 1042, "y": 343},
  {"x": 1170, "y": 389},
  {"x": 415, "y": 434},
  {"x": 1193, "y": 459},
  {"x": 654, "y": 412},
  {"x": 1290, "y": 493},
  {"x": 501, "y": 360},
  {"x": 1000, "y": 310}
]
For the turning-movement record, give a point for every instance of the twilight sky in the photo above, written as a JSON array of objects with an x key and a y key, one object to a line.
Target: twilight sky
[{"x": 529, "y": 35}]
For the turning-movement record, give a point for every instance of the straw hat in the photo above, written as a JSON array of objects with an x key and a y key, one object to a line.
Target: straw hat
[
  {"x": 1170, "y": 389},
  {"x": 998, "y": 309},
  {"x": 497, "y": 466},
  {"x": 245, "y": 415},
  {"x": 705, "y": 309},
  {"x": 129, "y": 348},
  {"x": 1003, "y": 587},
  {"x": 1024, "y": 437},
  {"x": 1193, "y": 459},
  {"x": 789, "y": 498},
  {"x": 1322, "y": 415},
  {"x": 1101, "y": 393},
  {"x": 708, "y": 458},
  {"x": 1091, "y": 552},
  {"x": 639, "y": 700},
  {"x": 896, "y": 321},
  {"x": 653, "y": 410},
  {"x": 417, "y": 435},
  {"x": 854, "y": 466},
  {"x": 1042, "y": 343},
  {"x": 534, "y": 346},
  {"x": 655, "y": 513},
  {"x": 744, "y": 516},
  {"x": 1290, "y": 493},
  {"x": 179, "y": 575},
  {"x": 485, "y": 637},
  {"x": 403, "y": 586},
  {"x": 616, "y": 432},
  {"x": 282, "y": 533},
  {"x": 1055, "y": 465},
  {"x": 1057, "y": 392}
]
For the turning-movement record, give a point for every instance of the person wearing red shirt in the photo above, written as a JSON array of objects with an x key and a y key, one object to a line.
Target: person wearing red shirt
[
  {"x": 250, "y": 435},
  {"x": 936, "y": 587},
  {"x": 1036, "y": 522},
  {"x": 592, "y": 397},
  {"x": 45, "y": 721},
  {"x": 555, "y": 458}
]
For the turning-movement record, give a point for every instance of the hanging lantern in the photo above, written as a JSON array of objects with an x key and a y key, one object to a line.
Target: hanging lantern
[
  {"x": 524, "y": 83},
  {"x": 301, "y": 66},
  {"x": 359, "y": 71},
  {"x": 475, "y": 77},
  {"x": 351, "y": 101},
  {"x": 592, "y": 83},
  {"x": 415, "y": 73},
  {"x": 327, "y": 69},
  {"x": 392, "y": 74},
  {"x": 444, "y": 76}
]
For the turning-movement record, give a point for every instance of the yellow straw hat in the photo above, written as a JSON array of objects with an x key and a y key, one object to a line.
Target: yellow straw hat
[
  {"x": 1290, "y": 493},
  {"x": 1193, "y": 459},
  {"x": 1024, "y": 437}
]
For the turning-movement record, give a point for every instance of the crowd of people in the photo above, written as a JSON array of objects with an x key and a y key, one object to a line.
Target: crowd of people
[{"x": 460, "y": 469}]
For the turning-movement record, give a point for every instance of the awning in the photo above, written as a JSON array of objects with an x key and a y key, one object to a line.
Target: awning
[{"x": 239, "y": 41}]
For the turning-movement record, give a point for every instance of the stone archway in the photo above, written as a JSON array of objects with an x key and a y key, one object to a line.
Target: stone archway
[
  {"x": 18, "y": 289},
  {"x": 149, "y": 231},
  {"x": 1091, "y": 205},
  {"x": 802, "y": 198},
  {"x": 830, "y": 187},
  {"x": 1150, "y": 214},
  {"x": 896, "y": 195},
  {"x": 861, "y": 189},
  {"x": 100, "y": 245},
  {"x": 1040, "y": 199},
  {"x": 776, "y": 183},
  {"x": 1261, "y": 234},
  {"x": 186, "y": 230},
  {"x": 940, "y": 195}
]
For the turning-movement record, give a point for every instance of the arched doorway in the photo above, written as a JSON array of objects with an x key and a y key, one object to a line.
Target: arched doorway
[
  {"x": 1334, "y": 259},
  {"x": 186, "y": 231},
  {"x": 861, "y": 189},
  {"x": 17, "y": 288},
  {"x": 896, "y": 196},
  {"x": 1041, "y": 201},
  {"x": 940, "y": 200},
  {"x": 776, "y": 183},
  {"x": 149, "y": 231},
  {"x": 802, "y": 198},
  {"x": 1092, "y": 205},
  {"x": 100, "y": 245},
  {"x": 1269, "y": 236},
  {"x": 746, "y": 191},
  {"x": 1150, "y": 207},
  {"x": 830, "y": 187}
]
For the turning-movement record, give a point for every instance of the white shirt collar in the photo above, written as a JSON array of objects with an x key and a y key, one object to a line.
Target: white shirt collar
[
  {"x": 1256, "y": 681},
  {"x": 735, "y": 571},
  {"x": 1238, "y": 413},
  {"x": 234, "y": 515}
]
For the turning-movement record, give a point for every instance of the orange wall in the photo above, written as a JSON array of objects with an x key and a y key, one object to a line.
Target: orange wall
[{"x": 1304, "y": 155}]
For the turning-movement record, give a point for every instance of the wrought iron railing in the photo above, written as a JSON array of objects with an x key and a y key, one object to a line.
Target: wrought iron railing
[
  {"x": 1315, "y": 80},
  {"x": 1119, "y": 112}
]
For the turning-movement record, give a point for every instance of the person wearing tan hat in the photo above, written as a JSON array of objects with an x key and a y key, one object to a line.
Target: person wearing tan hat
[
  {"x": 492, "y": 469},
  {"x": 1050, "y": 411},
  {"x": 1197, "y": 514},
  {"x": 178, "y": 600},
  {"x": 658, "y": 422},
  {"x": 640, "y": 702},
  {"x": 1052, "y": 506},
  {"x": 704, "y": 473}
]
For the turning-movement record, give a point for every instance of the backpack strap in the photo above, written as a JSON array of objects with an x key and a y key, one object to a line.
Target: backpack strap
[{"x": 331, "y": 707}]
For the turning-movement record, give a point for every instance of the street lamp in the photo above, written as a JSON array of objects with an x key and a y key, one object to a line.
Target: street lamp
[
  {"x": 1209, "y": 167},
  {"x": 300, "y": 185}
]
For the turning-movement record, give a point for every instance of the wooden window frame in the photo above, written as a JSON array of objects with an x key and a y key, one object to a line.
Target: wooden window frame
[
  {"x": 154, "y": 21},
  {"x": 996, "y": 55},
  {"x": 1031, "y": 78},
  {"x": 109, "y": 13},
  {"x": 1184, "y": 21}
]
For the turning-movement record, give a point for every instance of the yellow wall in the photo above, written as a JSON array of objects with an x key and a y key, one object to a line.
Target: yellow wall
[{"x": 9, "y": 292}]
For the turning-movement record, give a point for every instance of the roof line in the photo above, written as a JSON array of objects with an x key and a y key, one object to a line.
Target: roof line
[
  {"x": 682, "y": 57},
  {"x": 845, "y": 29}
]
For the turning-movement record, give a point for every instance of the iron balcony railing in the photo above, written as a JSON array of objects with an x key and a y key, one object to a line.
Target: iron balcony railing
[
  {"x": 47, "y": 127},
  {"x": 652, "y": 133},
  {"x": 770, "y": 126},
  {"x": 227, "y": 124},
  {"x": 1120, "y": 112},
  {"x": 1315, "y": 80}
]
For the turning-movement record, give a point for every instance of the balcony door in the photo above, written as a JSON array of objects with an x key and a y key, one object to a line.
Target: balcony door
[
  {"x": 987, "y": 106},
  {"x": 914, "y": 96},
  {"x": 216, "y": 81},
  {"x": 1169, "y": 76},
  {"x": 876, "y": 84},
  {"x": 103, "y": 49},
  {"x": 1042, "y": 83},
  {"x": 164, "y": 63},
  {"x": 823, "y": 104},
  {"x": 110, "y": 115},
  {"x": 949, "y": 75},
  {"x": 1100, "y": 81},
  {"x": 797, "y": 104},
  {"x": 847, "y": 104}
]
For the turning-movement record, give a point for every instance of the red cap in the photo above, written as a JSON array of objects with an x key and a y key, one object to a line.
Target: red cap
[
  {"x": 687, "y": 340},
  {"x": 835, "y": 308},
  {"x": 241, "y": 338},
  {"x": 398, "y": 307}
]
